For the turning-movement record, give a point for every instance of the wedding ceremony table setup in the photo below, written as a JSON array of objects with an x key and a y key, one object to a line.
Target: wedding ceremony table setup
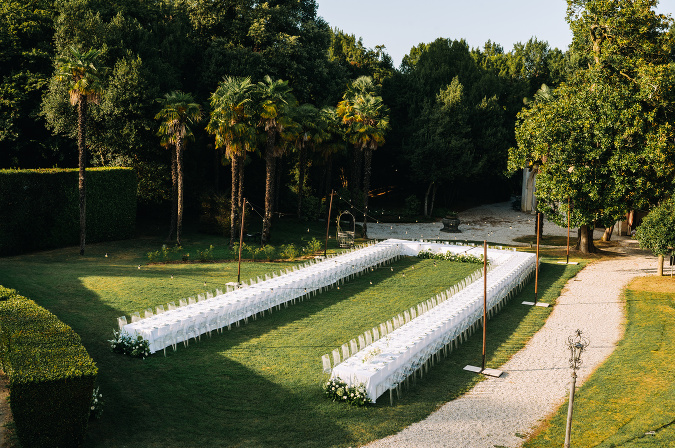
[
  {"x": 207, "y": 314},
  {"x": 389, "y": 360}
]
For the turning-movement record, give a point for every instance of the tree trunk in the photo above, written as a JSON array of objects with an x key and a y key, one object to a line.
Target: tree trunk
[
  {"x": 179, "y": 208},
  {"x": 278, "y": 176},
  {"x": 539, "y": 216},
  {"x": 174, "y": 195},
  {"x": 659, "y": 267},
  {"x": 426, "y": 199},
  {"x": 355, "y": 186},
  {"x": 329, "y": 172},
  {"x": 368, "y": 157},
  {"x": 234, "y": 199},
  {"x": 607, "y": 235},
  {"x": 270, "y": 165},
  {"x": 82, "y": 152},
  {"x": 433, "y": 199},
  {"x": 301, "y": 176},
  {"x": 585, "y": 239}
]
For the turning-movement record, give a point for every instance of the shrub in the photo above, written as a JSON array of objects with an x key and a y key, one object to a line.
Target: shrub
[
  {"x": 39, "y": 209},
  {"x": 289, "y": 251},
  {"x": 270, "y": 252},
  {"x": 313, "y": 246},
  {"x": 51, "y": 376}
]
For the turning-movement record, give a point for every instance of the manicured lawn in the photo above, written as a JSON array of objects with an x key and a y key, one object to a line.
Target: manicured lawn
[
  {"x": 633, "y": 392},
  {"x": 257, "y": 384}
]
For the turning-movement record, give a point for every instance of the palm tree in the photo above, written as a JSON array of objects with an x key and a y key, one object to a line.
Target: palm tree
[
  {"x": 309, "y": 130},
  {"x": 366, "y": 120},
  {"x": 232, "y": 123},
  {"x": 178, "y": 113},
  {"x": 82, "y": 73},
  {"x": 274, "y": 103}
]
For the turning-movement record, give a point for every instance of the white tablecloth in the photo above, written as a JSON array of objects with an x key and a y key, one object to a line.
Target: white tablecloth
[
  {"x": 389, "y": 360},
  {"x": 174, "y": 326}
]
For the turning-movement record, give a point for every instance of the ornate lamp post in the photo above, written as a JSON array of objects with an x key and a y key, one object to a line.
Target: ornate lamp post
[{"x": 577, "y": 344}]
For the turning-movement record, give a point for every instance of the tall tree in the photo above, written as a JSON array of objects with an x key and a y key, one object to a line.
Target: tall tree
[
  {"x": 366, "y": 121},
  {"x": 275, "y": 101},
  {"x": 605, "y": 140},
  {"x": 232, "y": 122},
  {"x": 179, "y": 112},
  {"x": 81, "y": 72}
]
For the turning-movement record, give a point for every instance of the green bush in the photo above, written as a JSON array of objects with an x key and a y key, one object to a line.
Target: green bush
[
  {"x": 39, "y": 209},
  {"x": 51, "y": 375}
]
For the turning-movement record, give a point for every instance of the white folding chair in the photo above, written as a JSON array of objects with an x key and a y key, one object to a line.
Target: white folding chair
[
  {"x": 354, "y": 347},
  {"x": 148, "y": 313},
  {"x": 326, "y": 364},
  {"x": 171, "y": 305},
  {"x": 182, "y": 302},
  {"x": 121, "y": 322},
  {"x": 191, "y": 300},
  {"x": 376, "y": 334},
  {"x": 135, "y": 316},
  {"x": 200, "y": 297},
  {"x": 345, "y": 351},
  {"x": 160, "y": 309},
  {"x": 362, "y": 342},
  {"x": 369, "y": 338},
  {"x": 336, "y": 357}
]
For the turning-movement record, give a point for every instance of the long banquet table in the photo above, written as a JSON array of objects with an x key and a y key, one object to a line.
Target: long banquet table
[
  {"x": 386, "y": 362},
  {"x": 190, "y": 321}
]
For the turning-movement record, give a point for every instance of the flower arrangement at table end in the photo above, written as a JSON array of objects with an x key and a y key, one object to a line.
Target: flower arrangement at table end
[
  {"x": 96, "y": 404},
  {"x": 137, "y": 347},
  {"x": 338, "y": 390},
  {"x": 449, "y": 256}
]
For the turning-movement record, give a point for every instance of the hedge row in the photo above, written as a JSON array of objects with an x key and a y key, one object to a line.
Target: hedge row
[
  {"x": 39, "y": 209},
  {"x": 51, "y": 375}
]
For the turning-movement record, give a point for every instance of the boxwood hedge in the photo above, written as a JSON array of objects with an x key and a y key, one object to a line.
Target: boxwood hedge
[
  {"x": 51, "y": 375},
  {"x": 39, "y": 209}
]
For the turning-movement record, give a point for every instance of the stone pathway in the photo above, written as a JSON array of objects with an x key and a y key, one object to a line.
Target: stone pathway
[{"x": 536, "y": 379}]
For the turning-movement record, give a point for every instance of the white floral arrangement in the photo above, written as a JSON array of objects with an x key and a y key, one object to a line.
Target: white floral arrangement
[
  {"x": 136, "y": 347},
  {"x": 371, "y": 354},
  {"x": 338, "y": 390}
]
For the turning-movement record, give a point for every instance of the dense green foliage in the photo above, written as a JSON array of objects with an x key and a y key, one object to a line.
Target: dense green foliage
[
  {"x": 151, "y": 48},
  {"x": 657, "y": 230},
  {"x": 51, "y": 376},
  {"x": 604, "y": 137},
  {"x": 39, "y": 208}
]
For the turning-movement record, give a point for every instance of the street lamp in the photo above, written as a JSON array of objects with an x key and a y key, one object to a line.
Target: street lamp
[{"x": 576, "y": 344}]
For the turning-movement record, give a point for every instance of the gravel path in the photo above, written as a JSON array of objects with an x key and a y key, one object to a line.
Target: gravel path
[
  {"x": 497, "y": 223},
  {"x": 535, "y": 382}
]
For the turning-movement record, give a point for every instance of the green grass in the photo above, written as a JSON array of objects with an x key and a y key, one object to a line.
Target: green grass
[
  {"x": 258, "y": 384},
  {"x": 633, "y": 392}
]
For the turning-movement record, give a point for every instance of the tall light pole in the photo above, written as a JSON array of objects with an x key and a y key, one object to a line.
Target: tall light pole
[{"x": 576, "y": 344}]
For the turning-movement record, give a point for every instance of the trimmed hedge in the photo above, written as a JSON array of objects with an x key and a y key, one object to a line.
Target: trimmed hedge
[
  {"x": 39, "y": 209},
  {"x": 51, "y": 375}
]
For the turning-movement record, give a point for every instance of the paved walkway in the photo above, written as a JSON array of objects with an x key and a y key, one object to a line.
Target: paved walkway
[{"x": 536, "y": 379}]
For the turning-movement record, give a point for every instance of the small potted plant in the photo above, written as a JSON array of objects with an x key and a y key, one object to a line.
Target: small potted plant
[{"x": 450, "y": 223}]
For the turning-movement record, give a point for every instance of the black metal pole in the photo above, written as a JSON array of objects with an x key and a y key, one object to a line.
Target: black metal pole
[
  {"x": 484, "y": 300},
  {"x": 241, "y": 239},
  {"x": 330, "y": 209}
]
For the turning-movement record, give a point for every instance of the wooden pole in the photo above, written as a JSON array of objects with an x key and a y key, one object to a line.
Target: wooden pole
[
  {"x": 241, "y": 239},
  {"x": 568, "y": 230},
  {"x": 330, "y": 208},
  {"x": 484, "y": 300},
  {"x": 536, "y": 274}
]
